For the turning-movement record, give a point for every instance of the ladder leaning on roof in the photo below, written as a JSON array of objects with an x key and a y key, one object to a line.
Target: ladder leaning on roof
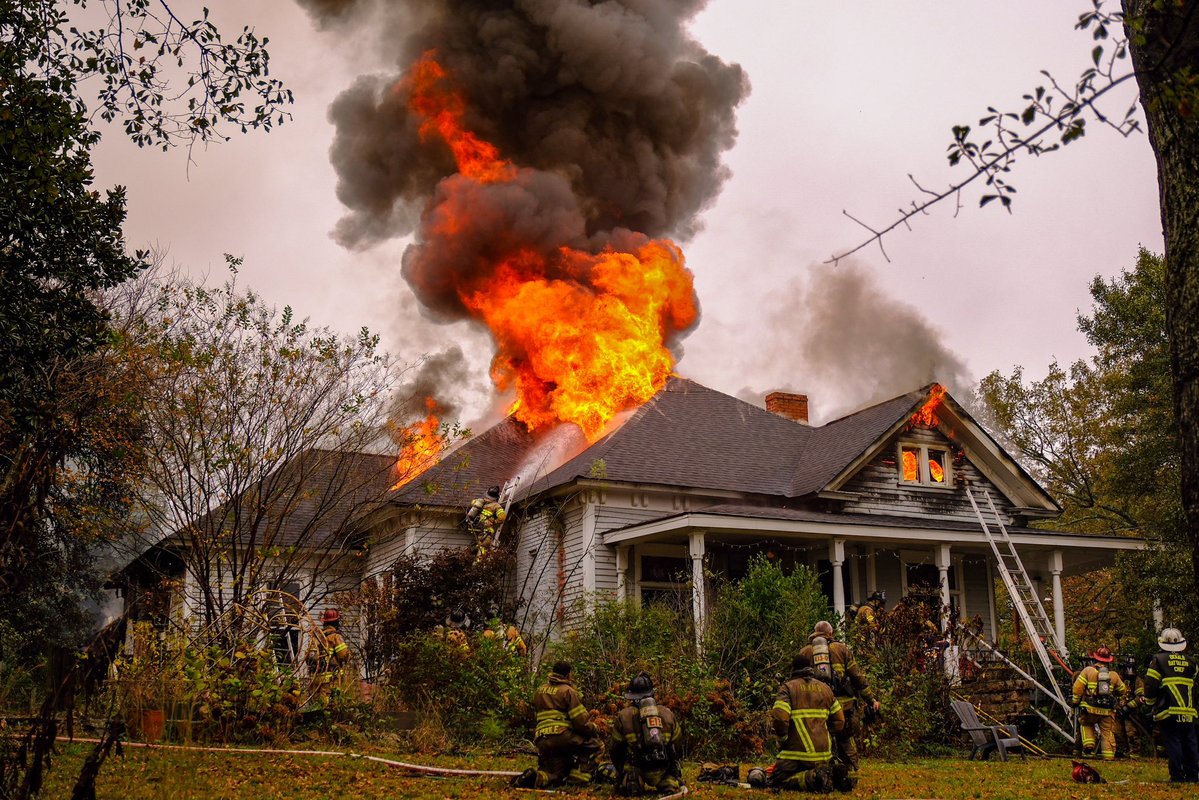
[{"x": 1024, "y": 597}]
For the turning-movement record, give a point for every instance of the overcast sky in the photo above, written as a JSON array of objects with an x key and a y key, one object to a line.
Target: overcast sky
[{"x": 847, "y": 99}]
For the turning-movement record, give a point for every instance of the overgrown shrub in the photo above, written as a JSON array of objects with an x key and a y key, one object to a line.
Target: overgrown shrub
[
  {"x": 903, "y": 659},
  {"x": 758, "y": 624},
  {"x": 462, "y": 693}
]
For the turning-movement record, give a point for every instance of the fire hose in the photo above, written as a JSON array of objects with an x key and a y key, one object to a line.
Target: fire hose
[{"x": 422, "y": 768}]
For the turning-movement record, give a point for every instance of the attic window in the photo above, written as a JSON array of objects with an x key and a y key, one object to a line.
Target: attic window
[{"x": 924, "y": 465}]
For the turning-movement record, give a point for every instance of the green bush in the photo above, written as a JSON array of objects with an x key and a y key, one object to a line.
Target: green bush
[{"x": 758, "y": 625}]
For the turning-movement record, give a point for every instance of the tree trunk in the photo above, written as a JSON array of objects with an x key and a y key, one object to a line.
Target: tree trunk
[{"x": 1165, "y": 40}]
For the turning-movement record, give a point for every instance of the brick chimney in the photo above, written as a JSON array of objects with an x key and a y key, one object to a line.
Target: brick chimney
[{"x": 792, "y": 406}]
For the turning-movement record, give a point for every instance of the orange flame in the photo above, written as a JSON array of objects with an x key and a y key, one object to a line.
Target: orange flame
[
  {"x": 911, "y": 466},
  {"x": 421, "y": 445},
  {"x": 574, "y": 351},
  {"x": 927, "y": 415},
  {"x": 936, "y": 471}
]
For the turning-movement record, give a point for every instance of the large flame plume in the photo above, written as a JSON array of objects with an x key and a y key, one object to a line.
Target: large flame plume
[
  {"x": 927, "y": 415},
  {"x": 421, "y": 444},
  {"x": 581, "y": 334}
]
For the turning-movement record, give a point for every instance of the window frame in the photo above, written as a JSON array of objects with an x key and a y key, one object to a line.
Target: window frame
[{"x": 924, "y": 479}]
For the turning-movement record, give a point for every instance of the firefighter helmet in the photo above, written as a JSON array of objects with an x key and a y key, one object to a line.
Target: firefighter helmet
[
  {"x": 331, "y": 617},
  {"x": 494, "y": 493},
  {"x": 457, "y": 619},
  {"x": 1102, "y": 654},
  {"x": 640, "y": 687},
  {"x": 800, "y": 663},
  {"x": 562, "y": 669},
  {"x": 823, "y": 628},
  {"x": 879, "y": 596},
  {"x": 1171, "y": 640},
  {"x": 756, "y": 778},
  {"x": 1085, "y": 773}
]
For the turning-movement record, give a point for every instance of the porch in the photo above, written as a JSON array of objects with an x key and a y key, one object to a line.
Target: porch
[{"x": 853, "y": 555}]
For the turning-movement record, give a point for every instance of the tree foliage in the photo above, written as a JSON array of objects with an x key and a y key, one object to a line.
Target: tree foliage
[
  {"x": 260, "y": 430},
  {"x": 1102, "y": 437}
]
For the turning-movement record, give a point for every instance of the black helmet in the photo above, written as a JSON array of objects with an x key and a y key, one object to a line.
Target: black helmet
[
  {"x": 800, "y": 663},
  {"x": 880, "y": 596},
  {"x": 457, "y": 619},
  {"x": 561, "y": 668},
  {"x": 640, "y": 687},
  {"x": 494, "y": 493}
]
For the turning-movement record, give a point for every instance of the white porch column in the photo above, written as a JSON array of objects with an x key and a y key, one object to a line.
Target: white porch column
[
  {"x": 944, "y": 559},
  {"x": 622, "y": 571},
  {"x": 991, "y": 601},
  {"x": 836, "y": 556},
  {"x": 1059, "y": 604},
  {"x": 699, "y": 601}
]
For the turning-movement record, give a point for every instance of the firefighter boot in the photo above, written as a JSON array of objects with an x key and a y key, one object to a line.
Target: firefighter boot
[
  {"x": 843, "y": 781},
  {"x": 525, "y": 780},
  {"x": 818, "y": 780}
]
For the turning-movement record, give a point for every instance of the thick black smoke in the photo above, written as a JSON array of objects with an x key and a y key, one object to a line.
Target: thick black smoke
[
  {"x": 436, "y": 376},
  {"x": 614, "y": 97}
]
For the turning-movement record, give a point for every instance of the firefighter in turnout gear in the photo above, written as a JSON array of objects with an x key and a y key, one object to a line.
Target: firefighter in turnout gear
[
  {"x": 1098, "y": 689},
  {"x": 484, "y": 518},
  {"x": 567, "y": 741},
  {"x": 642, "y": 743},
  {"x": 806, "y": 716},
  {"x": 328, "y": 653},
  {"x": 834, "y": 664},
  {"x": 1170, "y": 687},
  {"x": 870, "y": 611}
]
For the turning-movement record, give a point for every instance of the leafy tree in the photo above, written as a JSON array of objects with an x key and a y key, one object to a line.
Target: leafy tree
[
  {"x": 259, "y": 432},
  {"x": 1161, "y": 38},
  {"x": 1101, "y": 436}
]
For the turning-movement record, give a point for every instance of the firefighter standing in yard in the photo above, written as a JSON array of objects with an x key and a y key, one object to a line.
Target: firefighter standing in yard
[
  {"x": 484, "y": 517},
  {"x": 1097, "y": 691},
  {"x": 567, "y": 741},
  {"x": 1170, "y": 687},
  {"x": 834, "y": 663},
  {"x": 806, "y": 716},
  {"x": 642, "y": 743}
]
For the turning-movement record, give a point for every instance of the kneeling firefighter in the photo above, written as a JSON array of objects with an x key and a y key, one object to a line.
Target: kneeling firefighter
[
  {"x": 642, "y": 743},
  {"x": 834, "y": 664},
  {"x": 567, "y": 741},
  {"x": 805, "y": 715}
]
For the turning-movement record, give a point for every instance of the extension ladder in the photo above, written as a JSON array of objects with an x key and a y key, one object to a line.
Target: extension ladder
[
  {"x": 505, "y": 500},
  {"x": 1024, "y": 597}
]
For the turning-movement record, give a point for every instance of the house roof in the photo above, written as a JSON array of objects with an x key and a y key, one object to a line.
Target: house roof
[{"x": 687, "y": 435}]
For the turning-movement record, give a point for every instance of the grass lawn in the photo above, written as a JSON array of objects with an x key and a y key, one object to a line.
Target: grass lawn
[{"x": 143, "y": 774}]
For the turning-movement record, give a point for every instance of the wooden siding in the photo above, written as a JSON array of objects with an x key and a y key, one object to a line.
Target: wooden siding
[
  {"x": 574, "y": 552},
  {"x": 974, "y": 583},
  {"x": 537, "y": 572},
  {"x": 611, "y": 517},
  {"x": 881, "y": 492}
]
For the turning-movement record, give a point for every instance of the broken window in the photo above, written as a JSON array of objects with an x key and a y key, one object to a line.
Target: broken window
[{"x": 924, "y": 464}]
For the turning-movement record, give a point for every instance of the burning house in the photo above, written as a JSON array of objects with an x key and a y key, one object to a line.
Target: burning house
[{"x": 694, "y": 483}]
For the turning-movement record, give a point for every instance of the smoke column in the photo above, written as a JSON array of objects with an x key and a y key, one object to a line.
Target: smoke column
[{"x": 613, "y": 120}]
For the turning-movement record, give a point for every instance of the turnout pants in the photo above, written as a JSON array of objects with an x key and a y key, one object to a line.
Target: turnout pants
[
  {"x": 634, "y": 781},
  {"x": 565, "y": 757},
  {"x": 801, "y": 776},
  {"x": 845, "y": 743},
  {"x": 1182, "y": 749},
  {"x": 1105, "y": 744}
]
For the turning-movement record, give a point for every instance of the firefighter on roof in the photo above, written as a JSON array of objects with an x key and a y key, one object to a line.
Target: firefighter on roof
[
  {"x": 567, "y": 741},
  {"x": 1170, "y": 687},
  {"x": 834, "y": 664},
  {"x": 806, "y": 715},
  {"x": 485, "y": 517},
  {"x": 642, "y": 743},
  {"x": 1097, "y": 690}
]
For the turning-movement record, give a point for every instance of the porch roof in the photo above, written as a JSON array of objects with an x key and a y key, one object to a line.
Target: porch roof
[{"x": 1082, "y": 552}]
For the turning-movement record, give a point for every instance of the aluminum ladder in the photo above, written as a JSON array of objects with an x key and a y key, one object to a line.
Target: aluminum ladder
[
  {"x": 1024, "y": 597},
  {"x": 505, "y": 500}
]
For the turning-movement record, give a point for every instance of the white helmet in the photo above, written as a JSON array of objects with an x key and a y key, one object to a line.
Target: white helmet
[{"x": 1171, "y": 640}]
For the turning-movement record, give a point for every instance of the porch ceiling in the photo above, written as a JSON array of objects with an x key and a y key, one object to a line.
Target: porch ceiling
[{"x": 1081, "y": 553}]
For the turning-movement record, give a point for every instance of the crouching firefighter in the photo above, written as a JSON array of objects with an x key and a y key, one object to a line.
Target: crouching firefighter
[
  {"x": 834, "y": 664},
  {"x": 1097, "y": 689},
  {"x": 805, "y": 715},
  {"x": 567, "y": 741},
  {"x": 642, "y": 743}
]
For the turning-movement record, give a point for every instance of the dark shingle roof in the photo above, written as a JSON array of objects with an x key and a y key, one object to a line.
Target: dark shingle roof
[
  {"x": 489, "y": 459},
  {"x": 687, "y": 435}
]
